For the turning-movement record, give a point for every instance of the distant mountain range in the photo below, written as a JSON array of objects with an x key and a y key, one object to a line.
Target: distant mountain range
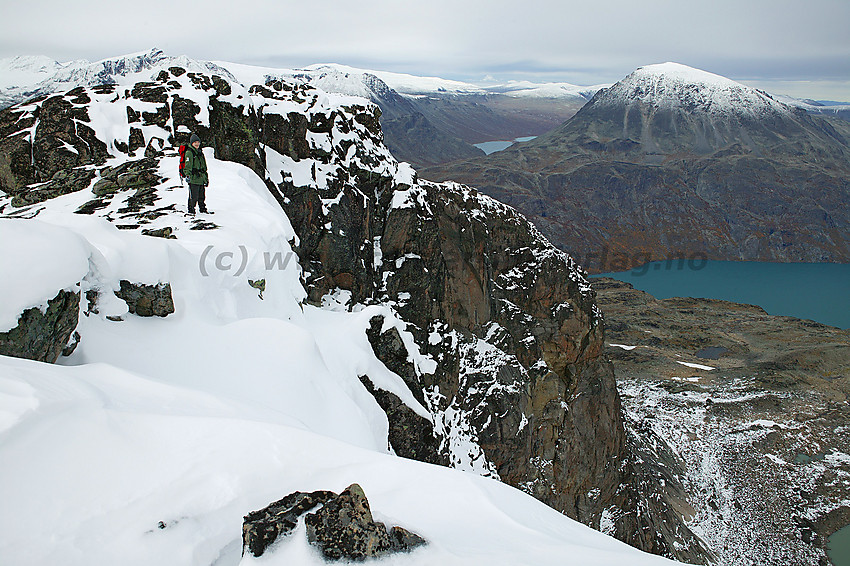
[
  {"x": 674, "y": 161},
  {"x": 429, "y": 120},
  {"x": 426, "y": 120}
]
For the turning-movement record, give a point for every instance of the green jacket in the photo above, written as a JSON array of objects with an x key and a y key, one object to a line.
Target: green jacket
[{"x": 195, "y": 167}]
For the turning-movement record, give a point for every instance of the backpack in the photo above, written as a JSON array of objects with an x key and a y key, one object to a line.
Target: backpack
[{"x": 182, "y": 151}]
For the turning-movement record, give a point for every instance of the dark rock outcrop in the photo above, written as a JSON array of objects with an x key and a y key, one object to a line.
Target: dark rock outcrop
[
  {"x": 410, "y": 434},
  {"x": 342, "y": 528},
  {"x": 43, "y": 335},
  {"x": 147, "y": 300},
  {"x": 50, "y": 141},
  {"x": 261, "y": 529}
]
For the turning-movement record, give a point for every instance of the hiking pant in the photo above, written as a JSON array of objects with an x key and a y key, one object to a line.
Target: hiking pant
[{"x": 197, "y": 193}]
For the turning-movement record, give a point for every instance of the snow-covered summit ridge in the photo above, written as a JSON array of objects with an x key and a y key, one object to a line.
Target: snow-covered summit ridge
[
  {"x": 528, "y": 89},
  {"x": 405, "y": 83},
  {"x": 342, "y": 79},
  {"x": 683, "y": 74},
  {"x": 26, "y": 70},
  {"x": 673, "y": 85},
  {"x": 30, "y": 76}
]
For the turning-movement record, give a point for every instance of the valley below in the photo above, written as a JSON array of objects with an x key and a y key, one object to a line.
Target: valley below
[{"x": 748, "y": 411}]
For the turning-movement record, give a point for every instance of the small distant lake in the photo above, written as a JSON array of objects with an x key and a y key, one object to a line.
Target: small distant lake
[
  {"x": 816, "y": 291},
  {"x": 838, "y": 546},
  {"x": 494, "y": 146}
]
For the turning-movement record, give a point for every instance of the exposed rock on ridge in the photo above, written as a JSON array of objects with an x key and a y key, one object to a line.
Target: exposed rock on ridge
[{"x": 146, "y": 300}]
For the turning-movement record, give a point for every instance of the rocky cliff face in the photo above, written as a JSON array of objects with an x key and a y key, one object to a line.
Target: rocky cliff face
[
  {"x": 671, "y": 162},
  {"x": 502, "y": 342}
]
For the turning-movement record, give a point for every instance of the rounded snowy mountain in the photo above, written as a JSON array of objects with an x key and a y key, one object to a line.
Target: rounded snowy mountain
[
  {"x": 672, "y": 85},
  {"x": 670, "y": 109}
]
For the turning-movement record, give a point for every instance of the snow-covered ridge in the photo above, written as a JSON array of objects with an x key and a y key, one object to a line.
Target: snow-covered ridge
[
  {"x": 350, "y": 80},
  {"x": 26, "y": 70},
  {"x": 527, "y": 89},
  {"x": 814, "y": 106},
  {"x": 673, "y": 85},
  {"x": 405, "y": 83},
  {"x": 27, "y": 77}
]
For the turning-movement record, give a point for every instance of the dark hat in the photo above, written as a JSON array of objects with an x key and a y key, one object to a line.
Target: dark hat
[{"x": 194, "y": 138}]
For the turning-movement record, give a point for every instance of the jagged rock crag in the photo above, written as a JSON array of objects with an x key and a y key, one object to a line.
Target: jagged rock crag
[
  {"x": 520, "y": 390},
  {"x": 502, "y": 343}
]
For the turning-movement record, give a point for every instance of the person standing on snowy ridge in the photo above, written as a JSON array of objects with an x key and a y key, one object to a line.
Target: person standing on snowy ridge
[{"x": 195, "y": 171}]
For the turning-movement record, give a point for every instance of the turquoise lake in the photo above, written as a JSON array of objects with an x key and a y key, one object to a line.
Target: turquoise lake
[
  {"x": 494, "y": 146},
  {"x": 839, "y": 547},
  {"x": 816, "y": 291}
]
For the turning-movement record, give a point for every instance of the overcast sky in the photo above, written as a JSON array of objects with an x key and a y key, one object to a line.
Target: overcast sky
[{"x": 783, "y": 46}]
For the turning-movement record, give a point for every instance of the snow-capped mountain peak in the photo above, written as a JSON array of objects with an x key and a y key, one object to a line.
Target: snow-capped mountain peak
[
  {"x": 26, "y": 70},
  {"x": 673, "y": 85},
  {"x": 677, "y": 72}
]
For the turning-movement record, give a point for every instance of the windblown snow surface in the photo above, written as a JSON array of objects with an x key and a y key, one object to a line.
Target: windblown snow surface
[{"x": 151, "y": 441}]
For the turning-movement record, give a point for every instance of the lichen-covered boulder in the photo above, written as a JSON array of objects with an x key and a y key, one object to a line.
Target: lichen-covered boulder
[
  {"x": 42, "y": 335},
  {"x": 262, "y": 528},
  {"x": 147, "y": 300},
  {"x": 342, "y": 528}
]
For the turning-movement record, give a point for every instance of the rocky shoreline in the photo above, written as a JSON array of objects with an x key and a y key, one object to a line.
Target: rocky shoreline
[{"x": 750, "y": 412}]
